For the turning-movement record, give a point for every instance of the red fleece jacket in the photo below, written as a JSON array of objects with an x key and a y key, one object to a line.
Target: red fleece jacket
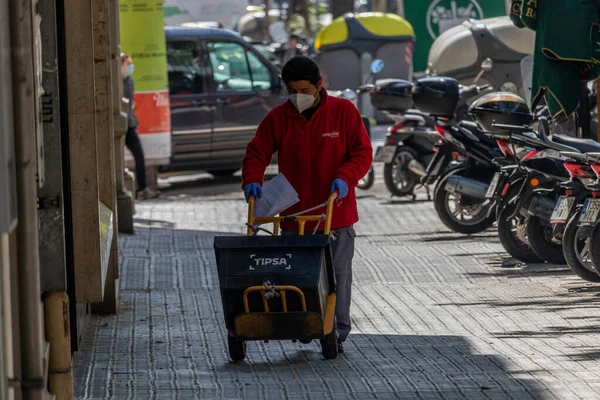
[{"x": 334, "y": 144}]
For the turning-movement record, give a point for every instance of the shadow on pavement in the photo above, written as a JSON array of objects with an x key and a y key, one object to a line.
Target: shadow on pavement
[
  {"x": 448, "y": 236},
  {"x": 511, "y": 268},
  {"x": 389, "y": 366}
]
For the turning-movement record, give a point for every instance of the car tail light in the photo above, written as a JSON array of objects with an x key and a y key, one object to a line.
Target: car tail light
[
  {"x": 596, "y": 169},
  {"x": 441, "y": 130},
  {"x": 575, "y": 170},
  {"x": 504, "y": 148},
  {"x": 529, "y": 155}
]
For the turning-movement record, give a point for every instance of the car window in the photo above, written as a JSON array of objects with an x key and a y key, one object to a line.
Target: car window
[
  {"x": 230, "y": 67},
  {"x": 264, "y": 50},
  {"x": 185, "y": 68},
  {"x": 261, "y": 74}
]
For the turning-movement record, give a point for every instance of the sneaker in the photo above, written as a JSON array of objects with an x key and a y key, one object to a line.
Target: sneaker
[
  {"x": 340, "y": 346},
  {"x": 147, "y": 194}
]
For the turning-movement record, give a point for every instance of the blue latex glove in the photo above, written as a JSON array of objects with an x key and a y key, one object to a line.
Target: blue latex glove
[
  {"x": 340, "y": 186},
  {"x": 254, "y": 190}
]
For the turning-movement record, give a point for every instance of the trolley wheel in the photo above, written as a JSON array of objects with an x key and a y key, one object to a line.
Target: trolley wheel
[
  {"x": 237, "y": 348},
  {"x": 329, "y": 345}
]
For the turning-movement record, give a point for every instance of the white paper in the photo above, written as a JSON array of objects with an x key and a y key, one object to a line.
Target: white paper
[{"x": 277, "y": 195}]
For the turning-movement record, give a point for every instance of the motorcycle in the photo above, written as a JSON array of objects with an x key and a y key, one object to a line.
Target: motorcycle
[
  {"x": 409, "y": 142},
  {"x": 463, "y": 164},
  {"x": 580, "y": 204},
  {"x": 525, "y": 194},
  {"x": 538, "y": 217},
  {"x": 409, "y": 145}
]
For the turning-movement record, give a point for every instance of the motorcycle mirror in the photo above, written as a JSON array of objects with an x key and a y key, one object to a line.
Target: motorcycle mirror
[
  {"x": 486, "y": 66},
  {"x": 377, "y": 66}
]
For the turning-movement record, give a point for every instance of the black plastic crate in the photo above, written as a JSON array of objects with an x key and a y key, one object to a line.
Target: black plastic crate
[{"x": 302, "y": 261}]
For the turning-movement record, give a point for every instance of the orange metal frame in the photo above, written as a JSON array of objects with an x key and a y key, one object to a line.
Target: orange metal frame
[
  {"x": 281, "y": 289},
  {"x": 300, "y": 219}
]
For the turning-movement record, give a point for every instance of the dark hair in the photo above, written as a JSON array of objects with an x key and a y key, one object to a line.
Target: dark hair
[
  {"x": 301, "y": 68},
  {"x": 295, "y": 37}
]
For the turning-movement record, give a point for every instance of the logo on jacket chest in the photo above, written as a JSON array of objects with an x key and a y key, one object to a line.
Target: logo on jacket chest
[{"x": 331, "y": 135}]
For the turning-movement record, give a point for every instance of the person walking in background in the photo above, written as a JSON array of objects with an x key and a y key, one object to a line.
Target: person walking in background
[
  {"x": 292, "y": 49},
  {"x": 132, "y": 141}
]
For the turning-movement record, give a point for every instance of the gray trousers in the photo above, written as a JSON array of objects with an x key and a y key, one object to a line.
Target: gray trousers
[{"x": 342, "y": 248}]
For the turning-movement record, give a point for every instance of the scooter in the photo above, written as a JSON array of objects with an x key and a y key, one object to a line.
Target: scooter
[
  {"x": 407, "y": 150},
  {"x": 409, "y": 145},
  {"x": 543, "y": 199}
]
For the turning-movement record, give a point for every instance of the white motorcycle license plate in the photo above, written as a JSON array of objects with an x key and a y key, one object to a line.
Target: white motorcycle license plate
[
  {"x": 590, "y": 211},
  {"x": 385, "y": 154},
  {"x": 493, "y": 186},
  {"x": 562, "y": 209}
]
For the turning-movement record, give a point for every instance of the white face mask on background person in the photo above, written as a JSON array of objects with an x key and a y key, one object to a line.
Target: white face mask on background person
[
  {"x": 128, "y": 71},
  {"x": 302, "y": 101}
]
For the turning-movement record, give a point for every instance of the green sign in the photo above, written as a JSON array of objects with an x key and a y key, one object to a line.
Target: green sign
[{"x": 430, "y": 18}]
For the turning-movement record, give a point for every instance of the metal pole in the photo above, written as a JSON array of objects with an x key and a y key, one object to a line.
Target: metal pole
[{"x": 31, "y": 325}]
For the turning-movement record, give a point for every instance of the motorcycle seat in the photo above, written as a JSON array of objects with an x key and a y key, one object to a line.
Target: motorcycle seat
[{"x": 583, "y": 145}]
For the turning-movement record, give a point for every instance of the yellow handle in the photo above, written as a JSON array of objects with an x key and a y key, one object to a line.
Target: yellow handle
[{"x": 301, "y": 219}]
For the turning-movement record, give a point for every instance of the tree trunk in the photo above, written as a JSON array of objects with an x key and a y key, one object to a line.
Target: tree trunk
[
  {"x": 267, "y": 21},
  {"x": 380, "y": 5},
  {"x": 341, "y": 7},
  {"x": 300, "y": 7},
  {"x": 303, "y": 11}
]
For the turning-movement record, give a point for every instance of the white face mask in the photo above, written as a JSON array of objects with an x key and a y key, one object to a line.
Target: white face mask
[{"x": 302, "y": 101}]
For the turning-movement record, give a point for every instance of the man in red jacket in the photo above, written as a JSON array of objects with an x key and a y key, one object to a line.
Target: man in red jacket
[{"x": 323, "y": 147}]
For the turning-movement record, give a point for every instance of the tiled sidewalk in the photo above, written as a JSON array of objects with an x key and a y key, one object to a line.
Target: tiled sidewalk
[{"x": 436, "y": 315}]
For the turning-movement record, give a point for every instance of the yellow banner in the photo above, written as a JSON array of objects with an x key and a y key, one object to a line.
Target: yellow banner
[{"x": 143, "y": 38}]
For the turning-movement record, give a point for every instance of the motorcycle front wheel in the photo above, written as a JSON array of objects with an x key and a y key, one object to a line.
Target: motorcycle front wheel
[{"x": 399, "y": 180}]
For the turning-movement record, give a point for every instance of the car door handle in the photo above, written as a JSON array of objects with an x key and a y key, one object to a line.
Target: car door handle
[
  {"x": 224, "y": 100},
  {"x": 198, "y": 102}
]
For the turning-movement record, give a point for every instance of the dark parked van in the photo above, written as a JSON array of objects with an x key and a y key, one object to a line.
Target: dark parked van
[{"x": 220, "y": 89}]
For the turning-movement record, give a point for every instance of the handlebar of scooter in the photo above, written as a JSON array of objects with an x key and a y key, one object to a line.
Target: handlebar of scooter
[{"x": 472, "y": 90}]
